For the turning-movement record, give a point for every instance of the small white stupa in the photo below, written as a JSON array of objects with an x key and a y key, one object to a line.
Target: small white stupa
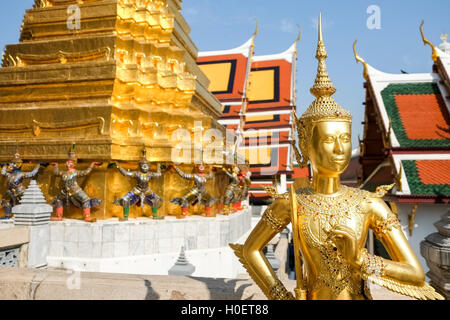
[{"x": 33, "y": 209}]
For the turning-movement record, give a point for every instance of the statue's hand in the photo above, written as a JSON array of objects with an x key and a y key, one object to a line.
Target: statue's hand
[
  {"x": 346, "y": 242},
  {"x": 54, "y": 164},
  {"x": 97, "y": 163}
]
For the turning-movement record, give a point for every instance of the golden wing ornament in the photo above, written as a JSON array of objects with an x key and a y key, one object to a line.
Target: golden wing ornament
[
  {"x": 382, "y": 190},
  {"x": 424, "y": 292}
]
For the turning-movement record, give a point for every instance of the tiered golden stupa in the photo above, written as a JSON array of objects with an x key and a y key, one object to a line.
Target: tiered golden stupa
[{"x": 122, "y": 79}]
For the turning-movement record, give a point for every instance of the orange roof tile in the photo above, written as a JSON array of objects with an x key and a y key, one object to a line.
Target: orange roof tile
[
  {"x": 424, "y": 116},
  {"x": 434, "y": 171}
]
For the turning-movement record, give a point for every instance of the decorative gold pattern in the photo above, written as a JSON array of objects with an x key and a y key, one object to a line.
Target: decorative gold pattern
[
  {"x": 37, "y": 127},
  {"x": 380, "y": 227},
  {"x": 273, "y": 222},
  {"x": 381, "y": 191},
  {"x": 62, "y": 57},
  {"x": 371, "y": 265},
  {"x": 279, "y": 292},
  {"x": 331, "y": 211}
]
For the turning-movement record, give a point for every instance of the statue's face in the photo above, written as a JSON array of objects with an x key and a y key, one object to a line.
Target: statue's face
[
  {"x": 330, "y": 149},
  {"x": 70, "y": 164},
  {"x": 144, "y": 167},
  {"x": 200, "y": 168}
]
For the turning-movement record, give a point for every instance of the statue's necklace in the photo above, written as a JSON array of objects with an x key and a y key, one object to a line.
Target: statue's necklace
[{"x": 331, "y": 210}]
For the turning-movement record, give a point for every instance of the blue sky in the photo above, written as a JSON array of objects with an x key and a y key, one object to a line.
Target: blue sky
[{"x": 225, "y": 24}]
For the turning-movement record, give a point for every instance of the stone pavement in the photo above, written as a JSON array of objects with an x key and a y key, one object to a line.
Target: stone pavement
[{"x": 52, "y": 284}]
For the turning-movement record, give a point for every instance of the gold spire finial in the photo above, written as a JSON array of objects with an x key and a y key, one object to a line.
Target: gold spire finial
[
  {"x": 434, "y": 54},
  {"x": 359, "y": 59},
  {"x": 320, "y": 27},
  {"x": 324, "y": 107},
  {"x": 323, "y": 87}
]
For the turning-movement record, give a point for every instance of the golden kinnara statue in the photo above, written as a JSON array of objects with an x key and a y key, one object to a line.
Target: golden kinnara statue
[{"x": 330, "y": 222}]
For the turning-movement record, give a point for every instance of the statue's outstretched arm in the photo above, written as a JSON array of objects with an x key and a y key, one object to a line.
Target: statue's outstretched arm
[
  {"x": 273, "y": 221},
  {"x": 184, "y": 175},
  {"x": 126, "y": 173},
  {"x": 82, "y": 173},
  {"x": 402, "y": 274},
  {"x": 31, "y": 174}
]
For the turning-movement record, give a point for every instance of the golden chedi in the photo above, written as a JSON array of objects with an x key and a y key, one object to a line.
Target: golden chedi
[
  {"x": 112, "y": 76},
  {"x": 330, "y": 222}
]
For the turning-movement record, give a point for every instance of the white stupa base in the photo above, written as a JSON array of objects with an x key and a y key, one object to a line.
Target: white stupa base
[{"x": 147, "y": 246}]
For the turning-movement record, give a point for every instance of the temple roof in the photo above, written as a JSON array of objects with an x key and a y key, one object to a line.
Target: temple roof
[
  {"x": 423, "y": 174},
  {"x": 243, "y": 49},
  {"x": 413, "y": 118},
  {"x": 404, "y": 100},
  {"x": 258, "y": 98}
]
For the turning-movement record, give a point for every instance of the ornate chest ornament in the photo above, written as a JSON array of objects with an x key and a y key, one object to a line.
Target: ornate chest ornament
[{"x": 327, "y": 213}]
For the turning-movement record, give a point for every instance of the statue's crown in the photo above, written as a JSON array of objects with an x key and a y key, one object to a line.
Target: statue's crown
[
  {"x": 324, "y": 107},
  {"x": 72, "y": 153},
  {"x": 143, "y": 159}
]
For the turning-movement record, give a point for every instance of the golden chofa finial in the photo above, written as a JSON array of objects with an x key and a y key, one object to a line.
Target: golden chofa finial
[
  {"x": 434, "y": 54},
  {"x": 256, "y": 29},
  {"x": 300, "y": 34},
  {"x": 359, "y": 59}
]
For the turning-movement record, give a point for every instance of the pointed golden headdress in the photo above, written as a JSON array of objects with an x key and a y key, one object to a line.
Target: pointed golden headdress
[{"x": 324, "y": 107}]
